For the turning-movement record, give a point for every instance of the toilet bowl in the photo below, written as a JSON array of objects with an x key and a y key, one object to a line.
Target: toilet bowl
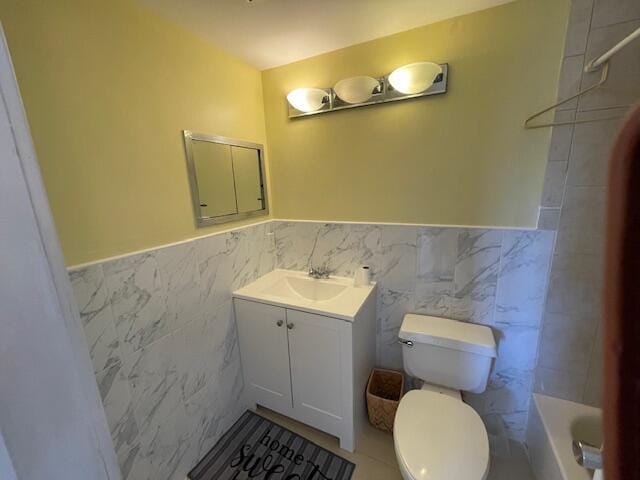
[
  {"x": 439, "y": 437},
  {"x": 436, "y": 435}
]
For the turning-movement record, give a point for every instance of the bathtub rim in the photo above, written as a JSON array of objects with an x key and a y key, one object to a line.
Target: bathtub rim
[{"x": 556, "y": 416}]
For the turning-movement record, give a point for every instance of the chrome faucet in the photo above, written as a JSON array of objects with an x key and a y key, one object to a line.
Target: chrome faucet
[
  {"x": 587, "y": 455},
  {"x": 319, "y": 272}
]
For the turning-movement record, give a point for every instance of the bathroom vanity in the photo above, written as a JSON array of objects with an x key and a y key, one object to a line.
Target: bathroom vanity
[{"x": 307, "y": 348}]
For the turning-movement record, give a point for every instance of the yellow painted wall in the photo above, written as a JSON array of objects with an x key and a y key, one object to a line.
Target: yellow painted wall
[
  {"x": 108, "y": 86},
  {"x": 461, "y": 158}
]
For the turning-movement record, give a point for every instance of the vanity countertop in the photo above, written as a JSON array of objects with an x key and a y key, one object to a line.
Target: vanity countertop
[{"x": 334, "y": 297}]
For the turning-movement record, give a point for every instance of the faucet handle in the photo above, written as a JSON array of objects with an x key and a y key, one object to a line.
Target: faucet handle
[
  {"x": 319, "y": 272},
  {"x": 324, "y": 271}
]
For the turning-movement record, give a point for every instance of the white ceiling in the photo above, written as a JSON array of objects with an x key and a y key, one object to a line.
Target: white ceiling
[{"x": 268, "y": 33}]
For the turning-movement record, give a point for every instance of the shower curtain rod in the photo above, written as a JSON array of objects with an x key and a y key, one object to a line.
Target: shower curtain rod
[
  {"x": 597, "y": 62},
  {"x": 601, "y": 62}
]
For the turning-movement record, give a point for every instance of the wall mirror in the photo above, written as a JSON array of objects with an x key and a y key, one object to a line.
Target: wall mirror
[{"x": 227, "y": 178}]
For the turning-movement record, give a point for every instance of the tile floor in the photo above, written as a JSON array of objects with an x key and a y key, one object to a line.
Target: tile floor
[{"x": 375, "y": 456}]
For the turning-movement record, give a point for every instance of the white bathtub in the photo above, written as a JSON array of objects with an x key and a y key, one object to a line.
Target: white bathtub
[{"x": 553, "y": 425}]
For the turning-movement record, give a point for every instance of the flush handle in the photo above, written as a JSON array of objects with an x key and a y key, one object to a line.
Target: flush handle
[
  {"x": 279, "y": 323},
  {"x": 408, "y": 343}
]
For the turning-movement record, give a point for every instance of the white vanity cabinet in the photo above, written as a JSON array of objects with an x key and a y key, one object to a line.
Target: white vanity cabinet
[{"x": 308, "y": 366}]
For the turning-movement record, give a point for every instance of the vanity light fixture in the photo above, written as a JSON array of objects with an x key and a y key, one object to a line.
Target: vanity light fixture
[
  {"x": 418, "y": 79},
  {"x": 357, "y": 89},
  {"x": 308, "y": 100},
  {"x": 415, "y": 77}
]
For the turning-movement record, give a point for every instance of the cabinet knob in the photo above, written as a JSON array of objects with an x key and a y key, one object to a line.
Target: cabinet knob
[
  {"x": 290, "y": 326},
  {"x": 279, "y": 323}
]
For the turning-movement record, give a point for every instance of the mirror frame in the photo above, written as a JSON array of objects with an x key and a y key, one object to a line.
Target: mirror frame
[{"x": 204, "y": 221}]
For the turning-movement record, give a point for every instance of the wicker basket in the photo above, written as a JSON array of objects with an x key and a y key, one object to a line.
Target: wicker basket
[{"x": 384, "y": 391}]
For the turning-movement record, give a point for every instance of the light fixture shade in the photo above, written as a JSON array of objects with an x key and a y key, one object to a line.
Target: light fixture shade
[
  {"x": 356, "y": 89},
  {"x": 414, "y": 77},
  {"x": 307, "y": 99}
]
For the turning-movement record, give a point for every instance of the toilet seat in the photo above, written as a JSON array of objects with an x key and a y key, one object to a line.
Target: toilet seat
[{"x": 438, "y": 437}]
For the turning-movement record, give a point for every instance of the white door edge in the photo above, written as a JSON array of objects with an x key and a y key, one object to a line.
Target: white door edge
[{"x": 62, "y": 307}]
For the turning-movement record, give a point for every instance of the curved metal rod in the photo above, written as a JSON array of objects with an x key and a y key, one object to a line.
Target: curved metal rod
[{"x": 603, "y": 79}]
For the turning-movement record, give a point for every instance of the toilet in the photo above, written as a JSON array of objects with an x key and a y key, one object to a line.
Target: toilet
[{"x": 436, "y": 435}]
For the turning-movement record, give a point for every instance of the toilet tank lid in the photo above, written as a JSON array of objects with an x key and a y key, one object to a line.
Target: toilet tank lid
[{"x": 443, "y": 332}]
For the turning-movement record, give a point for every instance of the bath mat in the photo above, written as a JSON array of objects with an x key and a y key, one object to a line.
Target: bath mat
[{"x": 256, "y": 448}]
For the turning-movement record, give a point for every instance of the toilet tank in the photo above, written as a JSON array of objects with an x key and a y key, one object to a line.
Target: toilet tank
[{"x": 446, "y": 352}]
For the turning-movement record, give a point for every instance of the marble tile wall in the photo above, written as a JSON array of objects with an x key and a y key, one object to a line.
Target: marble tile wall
[
  {"x": 574, "y": 198},
  {"x": 162, "y": 338},
  {"x": 493, "y": 277}
]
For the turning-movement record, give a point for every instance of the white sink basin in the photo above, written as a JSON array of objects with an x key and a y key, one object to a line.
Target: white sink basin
[
  {"x": 308, "y": 288},
  {"x": 335, "y": 296}
]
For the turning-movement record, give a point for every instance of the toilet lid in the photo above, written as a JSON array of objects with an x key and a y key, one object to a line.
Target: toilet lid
[{"x": 438, "y": 437}]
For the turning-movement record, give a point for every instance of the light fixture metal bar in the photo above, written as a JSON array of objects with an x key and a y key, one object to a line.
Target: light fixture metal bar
[{"x": 386, "y": 96}]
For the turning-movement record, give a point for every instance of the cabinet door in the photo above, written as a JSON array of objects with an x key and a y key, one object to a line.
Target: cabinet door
[
  {"x": 318, "y": 368},
  {"x": 214, "y": 170},
  {"x": 265, "y": 355},
  {"x": 248, "y": 179}
]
